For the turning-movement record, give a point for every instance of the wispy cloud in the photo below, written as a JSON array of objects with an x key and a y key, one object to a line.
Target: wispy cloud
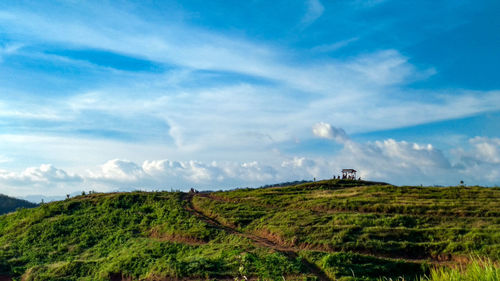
[
  {"x": 314, "y": 10},
  {"x": 210, "y": 92},
  {"x": 9, "y": 49},
  {"x": 334, "y": 46}
]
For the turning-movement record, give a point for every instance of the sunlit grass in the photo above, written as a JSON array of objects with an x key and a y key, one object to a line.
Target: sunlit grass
[{"x": 477, "y": 270}]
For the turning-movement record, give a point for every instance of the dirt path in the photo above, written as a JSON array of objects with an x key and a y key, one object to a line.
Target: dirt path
[
  {"x": 261, "y": 241},
  {"x": 439, "y": 260}
]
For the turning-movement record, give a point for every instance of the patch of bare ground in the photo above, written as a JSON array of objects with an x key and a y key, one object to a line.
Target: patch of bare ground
[
  {"x": 277, "y": 239},
  {"x": 293, "y": 246},
  {"x": 261, "y": 241},
  {"x": 5, "y": 278},
  {"x": 119, "y": 277},
  {"x": 266, "y": 238}
]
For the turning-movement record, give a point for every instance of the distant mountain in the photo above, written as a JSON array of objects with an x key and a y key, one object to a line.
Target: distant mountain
[
  {"x": 37, "y": 198},
  {"x": 9, "y": 204}
]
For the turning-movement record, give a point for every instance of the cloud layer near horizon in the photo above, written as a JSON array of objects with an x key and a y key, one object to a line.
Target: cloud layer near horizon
[{"x": 400, "y": 161}]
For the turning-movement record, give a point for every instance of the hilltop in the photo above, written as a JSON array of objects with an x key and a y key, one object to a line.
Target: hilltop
[
  {"x": 323, "y": 230},
  {"x": 9, "y": 204}
]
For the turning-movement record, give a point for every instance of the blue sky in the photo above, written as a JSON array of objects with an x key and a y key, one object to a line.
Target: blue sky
[{"x": 110, "y": 95}]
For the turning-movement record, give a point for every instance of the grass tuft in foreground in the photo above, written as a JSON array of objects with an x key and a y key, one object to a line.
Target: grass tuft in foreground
[{"x": 478, "y": 270}]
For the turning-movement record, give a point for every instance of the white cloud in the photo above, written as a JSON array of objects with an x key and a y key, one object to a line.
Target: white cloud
[
  {"x": 44, "y": 174},
  {"x": 119, "y": 170},
  {"x": 34, "y": 180},
  {"x": 486, "y": 149},
  {"x": 326, "y": 131},
  {"x": 358, "y": 92},
  {"x": 481, "y": 162},
  {"x": 397, "y": 162},
  {"x": 239, "y": 122},
  {"x": 384, "y": 67}
]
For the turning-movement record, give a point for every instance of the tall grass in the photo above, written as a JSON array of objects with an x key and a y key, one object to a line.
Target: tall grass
[{"x": 478, "y": 270}]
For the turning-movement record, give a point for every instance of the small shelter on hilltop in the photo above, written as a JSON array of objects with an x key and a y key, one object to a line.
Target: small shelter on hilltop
[{"x": 349, "y": 174}]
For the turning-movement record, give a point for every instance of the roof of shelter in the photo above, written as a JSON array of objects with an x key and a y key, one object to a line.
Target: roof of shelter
[{"x": 348, "y": 171}]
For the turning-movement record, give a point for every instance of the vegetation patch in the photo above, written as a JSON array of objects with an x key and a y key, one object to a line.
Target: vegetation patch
[{"x": 327, "y": 230}]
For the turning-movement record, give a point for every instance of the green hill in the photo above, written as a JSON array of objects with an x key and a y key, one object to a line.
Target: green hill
[
  {"x": 9, "y": 204},
  {"x": 326, "y": 230}
]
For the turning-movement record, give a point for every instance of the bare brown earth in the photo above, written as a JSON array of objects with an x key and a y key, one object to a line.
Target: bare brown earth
[
  {"x": 258, "y": 240},
  {"x": 261, "y": 238},
  {"x": 270, "y": 240},
  {"x": 277, "y": 241}
]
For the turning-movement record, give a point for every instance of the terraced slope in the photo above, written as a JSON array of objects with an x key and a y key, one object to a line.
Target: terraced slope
[
  {"x": 383, "y": 220},
  {"x": 316, "y": 231}
]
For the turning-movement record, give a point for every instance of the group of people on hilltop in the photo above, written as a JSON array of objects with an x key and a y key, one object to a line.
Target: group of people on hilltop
[{"x": 346, "y": 177}]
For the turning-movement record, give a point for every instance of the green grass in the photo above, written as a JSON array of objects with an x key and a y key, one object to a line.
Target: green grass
[
  {"x": 351, "y": 266},
  {"x": 141, "y": 235},
  {"x": 347, "y": 230},
  {"x": 407, "y": 222},
  {"x": 478, "y": 270}
]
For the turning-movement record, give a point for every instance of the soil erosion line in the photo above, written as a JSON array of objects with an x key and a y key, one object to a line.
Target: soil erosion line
[{"x": 261, "y": 241}]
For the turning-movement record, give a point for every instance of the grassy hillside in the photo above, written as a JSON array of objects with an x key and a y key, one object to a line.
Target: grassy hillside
[
  {"x": 315, "y": 231},
  {"x": 9, "y": 204}
]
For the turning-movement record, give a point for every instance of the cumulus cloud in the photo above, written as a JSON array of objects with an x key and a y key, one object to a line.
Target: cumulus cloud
[
  {"x": 119, "y": 170},
  {"x": 34, "y": 180},
  {"x": 486, "y": 150},
  {"x": 43, "y": 174},
  {"x": 361, "y": 92},
  {"x": 397, "y": 162},
  {"x": 181, "y": 174},
  {"x": 482, "y": 161},
  {"x": 400, "y": 161},
  {"x": 326, "y": 131}
]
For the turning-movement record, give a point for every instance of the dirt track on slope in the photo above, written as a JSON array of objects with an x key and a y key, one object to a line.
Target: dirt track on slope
[
  {"x": 439, "y": 260},
  {"x": 261, "y": 241}
]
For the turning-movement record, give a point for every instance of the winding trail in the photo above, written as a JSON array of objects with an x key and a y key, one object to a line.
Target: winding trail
[
  {"x": 439, "y": 261},
  {"x": 291, "y": 253}
]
